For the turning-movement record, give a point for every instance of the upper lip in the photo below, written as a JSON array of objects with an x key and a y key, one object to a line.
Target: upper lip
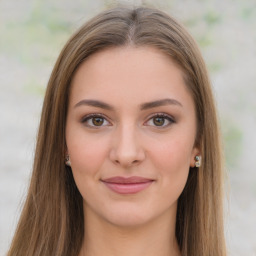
[{"x": 127, "y": 180}]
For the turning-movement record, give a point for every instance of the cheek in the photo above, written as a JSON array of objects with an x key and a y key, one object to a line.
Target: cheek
[
  {"x": 172, "y": 160},
  {"x": 87, "y": 155},
  {"x": 87, "y": 158},
  {"x": 172, "y": 153}
]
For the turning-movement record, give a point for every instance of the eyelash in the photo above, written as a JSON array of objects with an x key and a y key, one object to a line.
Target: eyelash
[{"x": 89, "y": 117}]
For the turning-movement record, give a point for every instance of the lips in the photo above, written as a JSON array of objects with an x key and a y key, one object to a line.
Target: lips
[{"x": 127, "y": 185}]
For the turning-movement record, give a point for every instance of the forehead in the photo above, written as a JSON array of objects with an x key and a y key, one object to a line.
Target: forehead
[{"x": 129, "y": 74}]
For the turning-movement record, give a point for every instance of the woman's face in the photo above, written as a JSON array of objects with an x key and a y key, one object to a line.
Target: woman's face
[{"x": 130, "y": 135}]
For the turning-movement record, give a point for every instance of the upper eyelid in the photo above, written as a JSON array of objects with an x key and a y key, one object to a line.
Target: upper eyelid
[
  {"x": 161, "y": 114},
  {"x": 94, "y": 115}
]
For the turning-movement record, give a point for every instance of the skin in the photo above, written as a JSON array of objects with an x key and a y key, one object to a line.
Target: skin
[{"x": 129, "y": 140}]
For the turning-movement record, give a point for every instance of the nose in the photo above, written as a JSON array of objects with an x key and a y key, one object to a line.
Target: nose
[{"x": 126, "y": 149}]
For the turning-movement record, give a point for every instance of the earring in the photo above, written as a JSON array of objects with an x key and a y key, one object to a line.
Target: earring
[
  {"x": 198, "y": 161},
  {"x": 67, "y": 161}
]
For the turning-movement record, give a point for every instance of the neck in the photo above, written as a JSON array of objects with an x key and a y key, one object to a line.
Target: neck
[{"x": 154, "y": 238}]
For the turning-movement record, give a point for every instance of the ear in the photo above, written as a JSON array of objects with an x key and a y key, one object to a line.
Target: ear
[{"x": 195, "y": 152}]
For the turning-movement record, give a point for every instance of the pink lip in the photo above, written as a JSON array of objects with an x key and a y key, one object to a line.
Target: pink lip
[{"x": 130, "y": 185}]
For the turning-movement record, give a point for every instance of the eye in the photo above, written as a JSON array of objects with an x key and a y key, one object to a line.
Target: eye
[
  {"x": 95, "y": 120},
  {"x": 160, "y": 120}
]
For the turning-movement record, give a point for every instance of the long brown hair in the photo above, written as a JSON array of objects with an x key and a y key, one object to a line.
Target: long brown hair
[{"x": 51, "y": 222}]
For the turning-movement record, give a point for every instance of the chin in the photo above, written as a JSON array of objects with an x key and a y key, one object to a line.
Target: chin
[
  {"x": 128, "y": 220},
  {"x": 132, "y": 216}
]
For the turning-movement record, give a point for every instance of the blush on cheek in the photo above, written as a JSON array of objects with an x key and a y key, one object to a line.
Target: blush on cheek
[
  {"x": 87, "y": 159},
  {"x": 173, "y": 160}
]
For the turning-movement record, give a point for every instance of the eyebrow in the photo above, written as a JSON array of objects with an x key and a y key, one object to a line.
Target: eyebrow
[
  {"x": 159, "y": 103},
  {"x": 94, "y": 103},
  {"x": 144, "y": 106}
]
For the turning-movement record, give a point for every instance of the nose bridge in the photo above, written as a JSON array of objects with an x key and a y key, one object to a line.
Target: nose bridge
[{"x": 126, "y": 148}]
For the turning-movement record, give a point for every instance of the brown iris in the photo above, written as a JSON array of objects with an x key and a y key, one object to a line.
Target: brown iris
[
  {"x": 97, "y": 121},
  {"x": 159, "y": 121}
]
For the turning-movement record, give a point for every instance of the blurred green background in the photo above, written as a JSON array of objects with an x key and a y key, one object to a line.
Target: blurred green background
[{"x": 32, "y": 35}]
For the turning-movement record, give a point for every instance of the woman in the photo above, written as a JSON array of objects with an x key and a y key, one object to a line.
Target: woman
[{"x": 128, "y": 158}]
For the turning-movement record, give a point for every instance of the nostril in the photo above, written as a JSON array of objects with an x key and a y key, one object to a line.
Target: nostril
[{"x": 127, "y": 163}]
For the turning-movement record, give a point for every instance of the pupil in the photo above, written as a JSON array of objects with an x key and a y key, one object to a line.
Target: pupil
[
  {"x": 158, "y": 121},
  {"x": 97, "y": 121}
]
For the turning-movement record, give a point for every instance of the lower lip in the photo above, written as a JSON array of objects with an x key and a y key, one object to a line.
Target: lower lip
[{"x": 130, "y": 188}]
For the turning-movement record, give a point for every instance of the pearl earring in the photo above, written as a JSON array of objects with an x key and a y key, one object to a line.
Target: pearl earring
[
  {"x": 67, "y": 161},
  {"x": 198, "y": 161}
]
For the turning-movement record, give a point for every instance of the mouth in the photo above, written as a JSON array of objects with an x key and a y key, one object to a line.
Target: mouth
[{"x": 127, "y": 185}]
